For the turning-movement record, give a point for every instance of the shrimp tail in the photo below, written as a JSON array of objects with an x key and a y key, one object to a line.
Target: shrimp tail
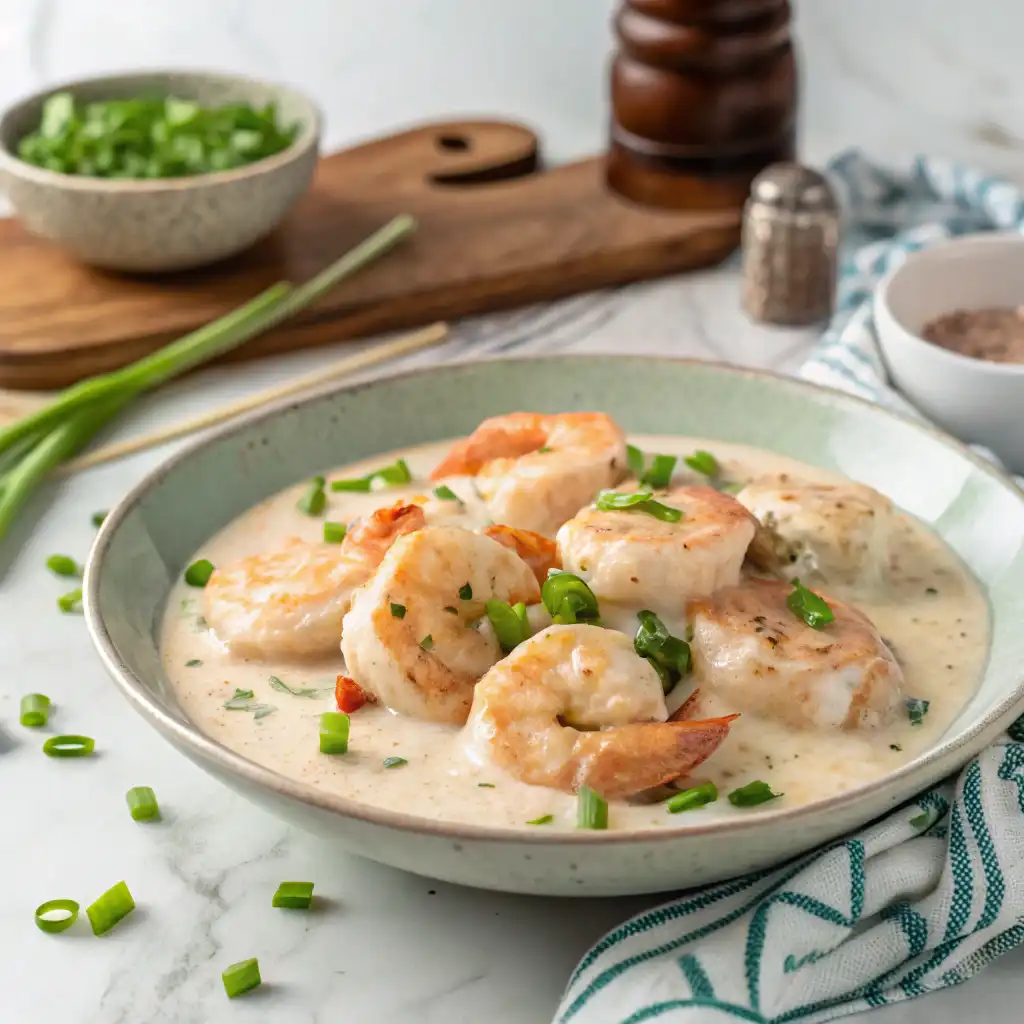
[{"x": 540, "y": 553}]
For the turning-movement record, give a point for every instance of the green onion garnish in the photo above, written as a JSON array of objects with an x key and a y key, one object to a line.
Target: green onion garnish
[
  {"x": 568, "y": 599},
  {"x": 669, "y": 655},
  {"x": 97, "y": 518},
  {"x": 917, "y": 709},
  {"x": 391, "y": 475},
  {"x": 35, "y": 710},
  {"x": 635, "y": 460},
  {"x": 334, "y": 732},
  {"x": 445, "y": 493},
  {"x": 199, "y": 572},
  {"x": 752, "y": 794},
  {"x": 486, "y": 785},
  {"x": 293, "y": 895},
  {"x": 398, "y": 610},
  {"x": 334, "y": 533},
  {"x": 637, "y": 501},
  {"x": 394, "y": 762},
  {"x": 142, "y": 804},
  {"x": 193, "y": 663},
  {"x": 659, "y": 474},
  {"x": 427, "y": 643},
  {"x": 69, "y": 746},
  {"x": 692, "y": 798},
  {"x": 465, "y": 592},
  {"x": 62, "y": 565},
  {"x": 242, "y": 695},
  {"x": 703, "y": 462},
  {"x": 67, "y": 909},
  {"x": 70, "y": 602},
  {"x": 276, "y": 683},
  {"x": 591, "y": 810},
  {"x": 807, "y": 605},
  {"x": 113, "y": 906},
  {"x": 510, "y": 623},
  {"x": 544, "y": 819},
  {"x": 314, "y": 501},
  {"x": 241, "y": 977}
]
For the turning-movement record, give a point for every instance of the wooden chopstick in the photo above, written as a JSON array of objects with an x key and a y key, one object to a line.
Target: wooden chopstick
[{"x": 350, "y": 364}]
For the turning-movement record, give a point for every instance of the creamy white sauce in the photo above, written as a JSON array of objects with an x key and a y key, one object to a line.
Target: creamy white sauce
[{"x": 932, "y": 613}]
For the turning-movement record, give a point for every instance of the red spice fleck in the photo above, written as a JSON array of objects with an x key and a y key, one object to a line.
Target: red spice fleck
[{"x": 350, "y": 696}]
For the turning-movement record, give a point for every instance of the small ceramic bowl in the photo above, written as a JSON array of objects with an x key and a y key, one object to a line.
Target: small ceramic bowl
[
  {"x": 162, "y": 224},
  {"x": 978, "y": 401}
]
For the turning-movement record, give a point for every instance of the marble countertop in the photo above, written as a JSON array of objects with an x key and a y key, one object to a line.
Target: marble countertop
[{"x": 383, "y": 947}]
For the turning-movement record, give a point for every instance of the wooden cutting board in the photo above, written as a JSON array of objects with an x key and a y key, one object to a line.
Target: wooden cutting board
[{"x": 495, "y": 232}]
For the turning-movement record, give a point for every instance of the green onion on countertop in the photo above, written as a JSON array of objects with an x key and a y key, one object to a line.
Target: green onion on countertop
[
  {"x": 62, "y": 565},
  {"x": 293, "y": 895},
  {"x": 35, "y": 710},
  {"x": 33, "y": 446},
  {"x": 241, "y": 977},
  {"x": 69, "y": 746},
  {"x": 111, "y": 908},
  {"x": 67, "y": 911},
  {"x": 142, "y": 804}
]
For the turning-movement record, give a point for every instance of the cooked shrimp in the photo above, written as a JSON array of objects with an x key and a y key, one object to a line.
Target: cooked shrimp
[
  {"x": 534, "y": 471},
  {"x": 630, "y": 557},
  {"x": 843, "y": 532},
  {"x": 575, "y": 706},
  {"x": 539, "y": 552},
  {"x": 751, "y": 653},
  {"x": 291, "y": 602},
  {"x": 409, "y": 636}
]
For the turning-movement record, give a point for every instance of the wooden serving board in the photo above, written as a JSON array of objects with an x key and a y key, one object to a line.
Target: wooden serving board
[{"x": 494, "y": 233}]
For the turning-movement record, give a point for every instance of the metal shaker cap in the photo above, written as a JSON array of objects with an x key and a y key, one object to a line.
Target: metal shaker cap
[{"x": 791, "y": 186}]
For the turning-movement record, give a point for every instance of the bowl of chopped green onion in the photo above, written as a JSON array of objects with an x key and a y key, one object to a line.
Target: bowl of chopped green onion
[{"x": 157, "y": 171}]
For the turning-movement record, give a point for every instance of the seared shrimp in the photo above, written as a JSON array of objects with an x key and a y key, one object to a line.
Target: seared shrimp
[
  {"x": 409, "y": 636},
  {"x": 630, "y": 557},
  {"x": 534, "y": 471},
  {"x": 751, "y": 653},
  {"x": 539, "y": 552},
  {"x": 291, "y": 602},
  {"x": 575, "y": 706},
  {"x": 843, "y": 532}
]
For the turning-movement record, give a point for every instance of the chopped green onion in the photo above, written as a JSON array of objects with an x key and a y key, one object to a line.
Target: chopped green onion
[
  {"x": 68, "y": 909},
  {"x": 293, "y": 895},
  {"x": 659, "y": 475},
  {"x": 427, "y": 643},
  {"x": 193, "y": 663},
  {"x": 334, "y": 533},
  {"x": 465, "y": 592},
  {"x": 544, "y": 450},
  {"x": 314, "y": 501},
  {"x": 243, "y": 694},
  {"x": 486, "y": 785},
  {"x": 592, "y": 810},
  {"x": 398, "y": 473},
  {"x": 703, "y": 462},
  {"x": 544, "y": 819},
  {"x": 637, "y": 501},
  {"x": 199, "y": 572},
  {"x": 70, "y": 602},
  {"x": 35, "y": 710},
  {"x": 692, "y": 798},
  {"x": 445, "y": 493},
  {"x": 917, "y": 709},
  {"x": 568, "y": 599},
  {"x": 807, "y": 605},
  {"x": 62, "y": 565},
  {"x": 334, "y": 732},
  {"x": 69, "y": 746},
  {"x": 276, "y": 683},
  {"x": 669, "y": 655},
  {"x": 394, "y": 762},
  {"x": 752, "y": 794},
  {"x": 97, "y": 518},
  {"x": 510, "y": 623},
  {"x": 360, "y": 485},
  {"x": 635, "y": 460},
  {"x": 398, "y": 610},
  {"x": 241, "y": 977},
  {"x": 142, "y": 804},
  {"x": 113, "y": 906}
]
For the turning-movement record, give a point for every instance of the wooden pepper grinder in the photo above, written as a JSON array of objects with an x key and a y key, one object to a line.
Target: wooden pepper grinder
[{"x": 703, "y": 96}]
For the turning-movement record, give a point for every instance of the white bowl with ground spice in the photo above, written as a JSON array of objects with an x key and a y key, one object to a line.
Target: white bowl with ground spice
[{"x": 950, "y": 323}]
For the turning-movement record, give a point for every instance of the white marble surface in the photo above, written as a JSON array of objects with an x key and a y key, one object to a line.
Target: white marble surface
[{"x": 383, "y": 947}]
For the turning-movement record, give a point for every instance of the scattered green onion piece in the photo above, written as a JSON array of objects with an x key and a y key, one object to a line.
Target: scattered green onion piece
[
  {"x": 97, "y": 518},
  {"x": 35, "y": 710},
  {"x": 465, "y": 592},
  {"x": 445, "y": 493},
  {"x": 199, "y": 572},
  {"x": 703, "y": 462},
  {"x": 668, "y": 680},
  {"x": 142, "y": 804},
  {"x": 193, "y": 663},
  {"x": 62, "y": 565},
  {"x": 334, "y": 533},
  {"x": 67, "y": 908},
  {"x": 752, "y": 794},
  {"x": 651, "y": 634},
  {"x": 361, "y": 485},
  {"x": 486, "y": 785},
  {"x": 334, "y": 727},
  {"x": 69, "y": 746},
  {"x": 669, "y": 654},
  {"x": 592, "y": 810},
  {"x": 635, "y": 460},
  {"x": 293, "y": 895},
  {"x": 544, "y": 450},
  {"x": 568, "y": 599},
  {"x": 544, "y": 819},
  {"x": 659, "y": 475},
  {"x": 917, "y": 708},
  {"x": 243, "y": 694},
  {"x": 692, "y": 798},
  {"x": 398, "y": 473},
  {"x": 510, "y": 624},
  {"x": 398, "y": 610},
  {"x": 637, "y": 501},
  {"x": 314, "y": 501},
  {"x": 241, "y": 977},
  {"x": 70, "y": 602},
  {"x": 427, "y": 643},
  {"x": 277, "y": 683},
  {"x": 807, "y": 605},
  {"x": 394, "y": 762},
  {"x": 113, "y": 906}
]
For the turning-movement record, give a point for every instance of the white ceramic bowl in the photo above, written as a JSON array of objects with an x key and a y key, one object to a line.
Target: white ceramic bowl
[{"x": 978, "y": 401}]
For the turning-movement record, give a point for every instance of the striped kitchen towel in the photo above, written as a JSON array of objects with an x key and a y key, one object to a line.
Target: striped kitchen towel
[{"x": 916, "y": 902}]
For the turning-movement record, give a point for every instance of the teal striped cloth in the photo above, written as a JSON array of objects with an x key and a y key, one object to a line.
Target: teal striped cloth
[{"x": 918, "y": 901}]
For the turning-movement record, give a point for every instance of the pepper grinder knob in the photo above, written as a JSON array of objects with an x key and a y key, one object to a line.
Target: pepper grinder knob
[{"x": 790, "y": 246}]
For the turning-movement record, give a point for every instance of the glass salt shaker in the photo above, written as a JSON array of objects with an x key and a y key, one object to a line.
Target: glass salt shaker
[{"x": 790, "y": 244}]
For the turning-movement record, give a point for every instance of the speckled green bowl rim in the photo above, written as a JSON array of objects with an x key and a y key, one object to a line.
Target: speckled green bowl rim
[
  {"x": 967, "y": 744},
  {"x": 309, "y": 136}
]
